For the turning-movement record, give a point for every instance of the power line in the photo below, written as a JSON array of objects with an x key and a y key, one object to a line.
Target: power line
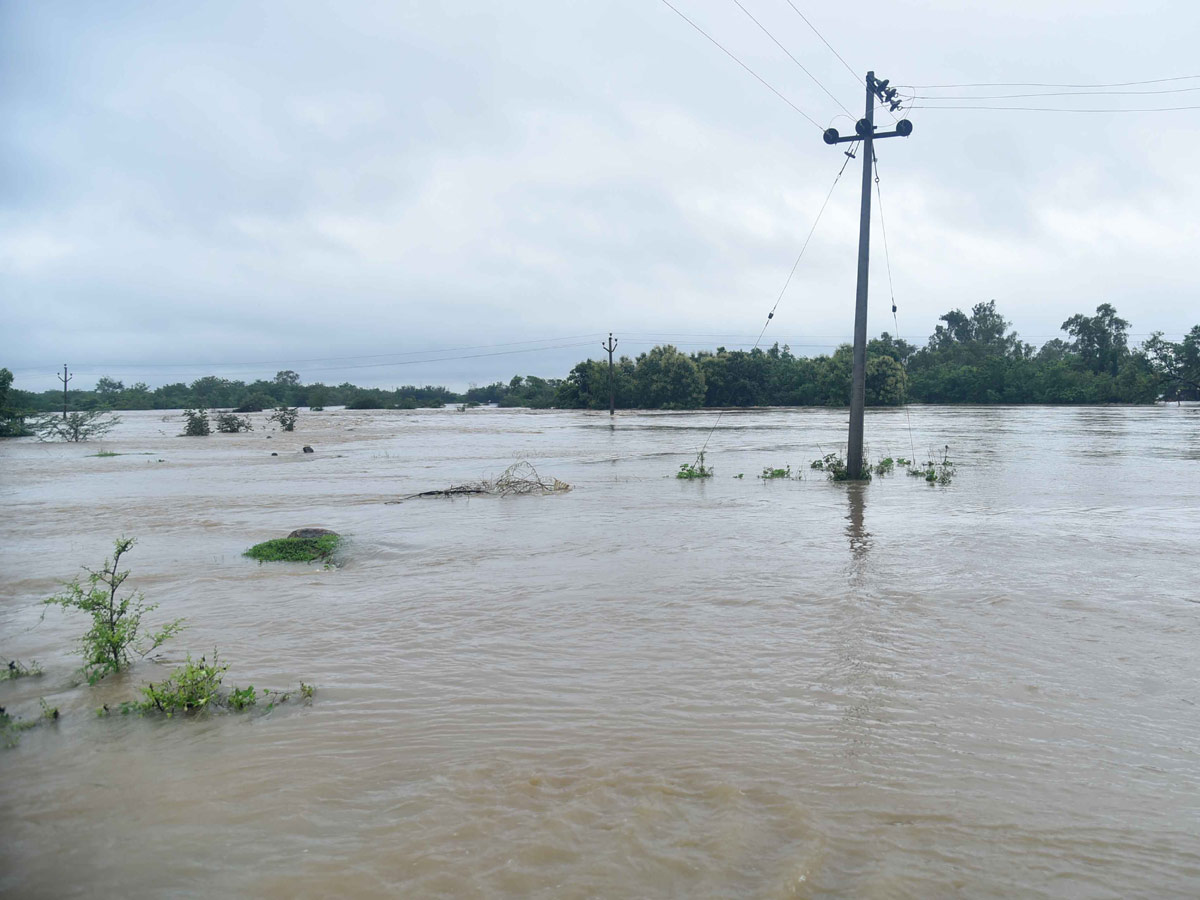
[
  {"x": 786, "y": 282},
  {"x": 790, "y": 56},
  {"x": 1067, "y": 109},
  {"x": 743, "y": 65},
  {"x": 1045, "y": 85},
  {"x": 858, "y": 78},
  {"x": 1056, "y": 94}
]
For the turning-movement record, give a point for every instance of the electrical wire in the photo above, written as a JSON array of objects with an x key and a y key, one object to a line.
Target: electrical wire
[
  {"x": 764, "y": 30},
  {"x": 858, "y": 78},
  {"x": 1045, "y": 85},
  {"x": 892, "y": 293},
  {"x": 787, "y": 281},
  {"x": 1056, "y": 94},
  {"x": 1067, "y": 109},
  {"x": 760, "y": 79}
]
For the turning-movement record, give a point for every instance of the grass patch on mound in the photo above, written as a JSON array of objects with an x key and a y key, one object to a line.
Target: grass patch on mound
[{"x": 294, "y": 549}]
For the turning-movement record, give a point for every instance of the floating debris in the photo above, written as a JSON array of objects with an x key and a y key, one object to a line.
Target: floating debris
[{"x": 518, "y": 479}]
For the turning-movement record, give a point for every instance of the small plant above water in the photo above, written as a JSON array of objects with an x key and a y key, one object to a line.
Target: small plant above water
[
  {"x": 196, "y": 687},
  {"x": 835, "y": 467},
  {"x": 884, "y": 466},
  {"x": 935, "y": 471},
  {"x": 696, "y": 469},
  {"x": 17, "y": 669},
  {"x": 116, "y": 621},
  {"x": 229, "y": 423},
  {"x": 295, "y": 549},
  {"x": 196, "y": 423},
  {"x": 768, "y": 473},
  {"x": 286, "y": 416}
]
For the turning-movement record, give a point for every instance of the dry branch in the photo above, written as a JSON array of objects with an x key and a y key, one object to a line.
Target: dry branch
[{"x": 519, "y": 478}]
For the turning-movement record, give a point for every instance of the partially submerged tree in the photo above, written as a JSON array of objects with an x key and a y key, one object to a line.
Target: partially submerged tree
[
  {"x": 76, "y": 427},
  {"x": 116, "y": 621}
]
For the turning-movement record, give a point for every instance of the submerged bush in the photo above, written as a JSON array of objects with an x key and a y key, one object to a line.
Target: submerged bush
[
  {"x": 296, "y": 549},
  {"x": 196, "y": 687},
  {"x": 935, "y": 471},
  {"x": 75, "y": 427},
  {"x": 116, "y": 621},
  {"x": 286, "y": 417},
  {"x": 228, "y": 423},
  {"x": 196, "y": 423},
  {"x": 768, "y": 473},
  {"x": 696, "y": 469}
]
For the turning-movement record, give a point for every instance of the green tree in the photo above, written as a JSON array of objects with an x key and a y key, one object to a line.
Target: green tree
[
  {"x": 1100, "y": 340},
  {"x": 667, "y": 379}
]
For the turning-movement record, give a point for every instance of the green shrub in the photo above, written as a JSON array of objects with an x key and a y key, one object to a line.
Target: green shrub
[
  {"x": 365, "y": 402},
  {"x": 768, "y": 473},
  {"x": 17, "y": 669},
  {"x": 116, "y": 621},
  {"x": 190, "y": 688},
  {"x": 229, "y": 423},
  {"x": 196, "y": 423},
  {"x": 286, "y": 417},
  {"x": 696, "y": 469},
  {"x": 294, "y": 549},
  {"x": 76, "y": 426},
  {"x": 835, "y": 467}
]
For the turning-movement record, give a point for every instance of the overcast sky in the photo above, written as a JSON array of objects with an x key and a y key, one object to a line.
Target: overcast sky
[{"x": 338, "y": 188}]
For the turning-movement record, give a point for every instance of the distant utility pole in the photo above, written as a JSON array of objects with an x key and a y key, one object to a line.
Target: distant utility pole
[
  {"x": 64, "y": 378},
  {"x": 864, "y": 130},
  {"x": 612, "y": 394}
]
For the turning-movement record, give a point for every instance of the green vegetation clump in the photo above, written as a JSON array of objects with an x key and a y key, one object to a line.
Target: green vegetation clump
[
  {"x": 75, "y": 427},
  {"x": 189, "y": 688},
  {"x": 294, "y": 549},
  {"x": 196, "y": 687},
  {"x": 696, "y": 469},
  {"x": 835, "y": 467},
  {"x": 769, "y": 473},
  {"x": 286, "y": 417},
  {"x": 196, "y": 423},
  {"x": 229, "y": 423},
  {"x": 17, "y": 669},
  {"x": 935, "y": 471},
  {"x": 884, "y": 466},
  {"x": 116, "y": 621}
]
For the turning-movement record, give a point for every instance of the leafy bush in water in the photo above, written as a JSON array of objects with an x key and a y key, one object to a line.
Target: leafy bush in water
[
  {"x": 256, "y": 402},
  {"x": 76, "y": 427},
  {"x": 365, "y": 402},
  {"x": 294, "y": 549},
  {"x": 935, "y": 471},
  {"x": 696, "y": 469},
  {"x": 768, "y": 473},
  {"x": 188, "y": 689},
  {"x": 835, "y": 467},
  {"x": 228, "y": 423},
  {"x": 286, "y": 417},
  {"x": 196, "y": 422},
  {"x": 116, "y": 621}
]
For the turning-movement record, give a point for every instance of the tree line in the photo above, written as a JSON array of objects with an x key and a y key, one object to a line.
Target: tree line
[{"x": 971, "y": 357}]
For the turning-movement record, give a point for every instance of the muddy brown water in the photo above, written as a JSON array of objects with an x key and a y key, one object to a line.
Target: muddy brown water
[{"x": 643, "y": 688}]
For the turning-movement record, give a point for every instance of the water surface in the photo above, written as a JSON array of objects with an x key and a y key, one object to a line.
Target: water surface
[{"x": 643, "y": 687}]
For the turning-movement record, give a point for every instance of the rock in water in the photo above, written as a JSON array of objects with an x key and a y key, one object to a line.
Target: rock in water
[
  {"x": 308, "y": 449},
  {"x": 312, "y": 533}
]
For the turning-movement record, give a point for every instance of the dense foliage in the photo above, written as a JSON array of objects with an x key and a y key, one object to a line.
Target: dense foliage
[{"x": 971, "y": 357}]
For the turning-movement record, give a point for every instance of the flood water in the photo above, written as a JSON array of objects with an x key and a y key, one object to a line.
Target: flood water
[{"x": 645, "y": 687}]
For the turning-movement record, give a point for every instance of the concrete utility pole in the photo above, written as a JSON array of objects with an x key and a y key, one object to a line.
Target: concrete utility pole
[
  {"x": 864, "y": 131},
  {"x": 612, "y": 395},
  {"x": 64, "y": 378}
]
